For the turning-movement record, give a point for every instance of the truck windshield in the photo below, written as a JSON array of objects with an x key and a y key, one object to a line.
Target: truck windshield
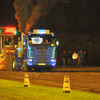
[{"x": 41, "y": 40}]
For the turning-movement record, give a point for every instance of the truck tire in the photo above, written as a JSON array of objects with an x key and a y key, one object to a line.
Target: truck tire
[
  {"x": 24, "y": 69},
  {"x": 14, "y": 64},
  {"x": 9, "y": 63},
  {"x": 49, "y": 69}
]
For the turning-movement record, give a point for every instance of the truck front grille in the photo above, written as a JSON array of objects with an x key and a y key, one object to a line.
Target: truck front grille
[{"x": 41, "y": 57}]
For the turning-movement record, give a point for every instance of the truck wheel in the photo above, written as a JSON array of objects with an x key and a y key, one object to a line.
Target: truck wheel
[
  {"x": 10, "y": 64},
  {"x": 49, "y": 69},
  {"x": 14, "y": 64},
  {"x": 24, "y": 69},
  {"x": 36, "y": 69}
]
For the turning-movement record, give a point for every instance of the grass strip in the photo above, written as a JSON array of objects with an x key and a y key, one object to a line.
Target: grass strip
[{"x": 11, "y": 90}]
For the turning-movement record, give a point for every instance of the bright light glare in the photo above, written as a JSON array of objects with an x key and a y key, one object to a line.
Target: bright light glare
[
  {"x": 53, "y": 64},
  {"x": 57, "y": 43},
  {"x": 10, "y": 30},
  {"x": 19, "y": 49},
  {"x": 37, "y": 40},
  {"x": 30, "y": 64},
  {"x": 30, "y": 60},
  {"x": 52, "y": 60},
  {"x": 29, "y": 34},
  {"x": 41, "y": 31}
]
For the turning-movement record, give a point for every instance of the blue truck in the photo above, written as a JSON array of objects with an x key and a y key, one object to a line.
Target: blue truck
[{"x": 36, "y": 50}]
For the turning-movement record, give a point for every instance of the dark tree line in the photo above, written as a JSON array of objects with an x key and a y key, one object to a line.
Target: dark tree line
[{"x": 77, "y": 16}]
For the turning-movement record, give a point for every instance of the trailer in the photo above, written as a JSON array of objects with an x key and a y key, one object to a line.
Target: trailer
[{"x": 36, "y": 50}]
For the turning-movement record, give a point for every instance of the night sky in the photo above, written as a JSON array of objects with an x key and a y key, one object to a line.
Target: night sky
[
  {"x": 64, "y": 16},
  {"x": 7, "y": 13}
]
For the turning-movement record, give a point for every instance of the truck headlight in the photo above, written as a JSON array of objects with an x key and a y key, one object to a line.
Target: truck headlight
[
  {"x": 30, "y": 60},
  {"x": 53, "y": 64},
  {"x": 52, "y": 60}
]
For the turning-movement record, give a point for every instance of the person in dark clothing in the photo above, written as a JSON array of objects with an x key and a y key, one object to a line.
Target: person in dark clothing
[
  {"x": 64, "y": 58},
  {"x": 69, "y": 56},
  {"x": 80, "y": 55},
  {"x": 7, "y": 42},
  {"x": 85, "y": 59}
]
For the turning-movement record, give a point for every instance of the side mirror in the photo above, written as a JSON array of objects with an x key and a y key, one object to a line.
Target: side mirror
[{"x": 57, "y": 42}]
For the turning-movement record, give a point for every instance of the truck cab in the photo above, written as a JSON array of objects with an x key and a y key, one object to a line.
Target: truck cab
[{"x": 39, "y": 50}]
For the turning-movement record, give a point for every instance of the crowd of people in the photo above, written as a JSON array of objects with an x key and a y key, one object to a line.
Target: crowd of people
[{"x": 75, "y": 59}]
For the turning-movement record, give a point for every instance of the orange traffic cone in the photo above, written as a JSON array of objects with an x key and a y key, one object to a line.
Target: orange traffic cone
[
  {"x": 26, "y": 80},
  {"x": 66, "y": 84}
]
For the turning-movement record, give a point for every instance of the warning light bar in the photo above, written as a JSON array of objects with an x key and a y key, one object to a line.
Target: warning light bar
[
  {"x": 7, "y": 30},
  {"x": 10, "y": 30}
]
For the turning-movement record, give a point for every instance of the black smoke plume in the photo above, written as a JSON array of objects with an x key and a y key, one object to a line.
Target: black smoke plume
[{"x": 29, "y": 11}]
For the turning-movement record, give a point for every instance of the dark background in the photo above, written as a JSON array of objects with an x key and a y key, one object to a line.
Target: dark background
[
  {"x": 7, "y": 13},
  {"x": 77, "y": 16},
  {"x": 76, "y": 24}
]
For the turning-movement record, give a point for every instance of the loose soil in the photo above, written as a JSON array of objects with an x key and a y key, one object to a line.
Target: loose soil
[{"x": 79, "y": 80}]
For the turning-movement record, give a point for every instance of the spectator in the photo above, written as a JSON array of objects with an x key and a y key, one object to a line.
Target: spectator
[
  {"x": 78, "y": 58},
  {"x": 81, "y": 55},
  {"x": 69, "y": 56},
  {"x": 74, "y": 57},
  {"x": 64, "y": 58},
  {"x": 85, "y": 59}
]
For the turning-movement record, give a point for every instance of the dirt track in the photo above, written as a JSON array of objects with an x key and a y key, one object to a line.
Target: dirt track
[{"x": 86, "y": 81}]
